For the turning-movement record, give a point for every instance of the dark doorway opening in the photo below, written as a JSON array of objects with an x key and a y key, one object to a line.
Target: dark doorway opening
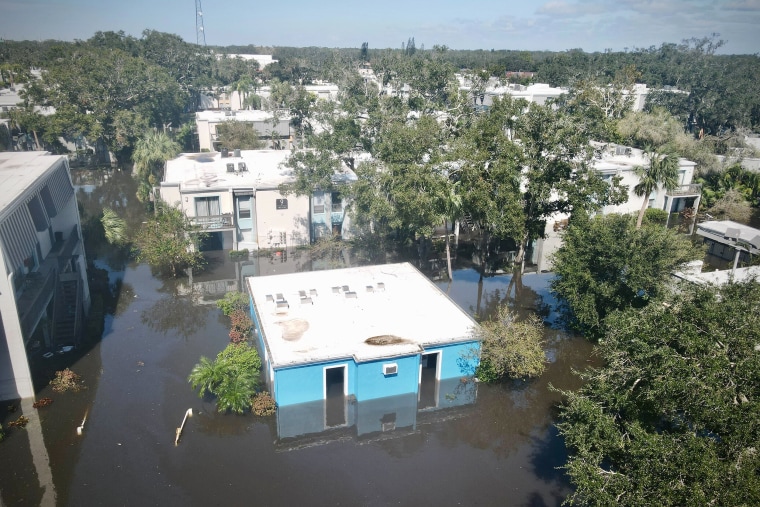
[
  {"x": 212, "y": 241},
  {"x": 428, "y": 393},
  {"x": 335, "y": 396}
]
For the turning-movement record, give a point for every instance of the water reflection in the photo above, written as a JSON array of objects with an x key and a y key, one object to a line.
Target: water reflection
[{"x": 308, "y": 424}]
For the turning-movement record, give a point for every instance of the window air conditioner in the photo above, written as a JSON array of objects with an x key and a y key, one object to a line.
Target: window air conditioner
[{"x": 390, "y": 369}]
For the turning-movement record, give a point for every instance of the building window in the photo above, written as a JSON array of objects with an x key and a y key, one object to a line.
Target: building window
[
  {"x": 318, "y": 203},
  {"x": 244, "y": 207},
  {"x": 207, "y": 207},
  {"x": 38, "y": 214},
  {"x": 337, "y": 203}
]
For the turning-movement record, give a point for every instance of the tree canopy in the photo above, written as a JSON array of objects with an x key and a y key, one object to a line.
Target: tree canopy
[
  {"x": 671, "y": 418},
  {"x": 606, "y": 264}
]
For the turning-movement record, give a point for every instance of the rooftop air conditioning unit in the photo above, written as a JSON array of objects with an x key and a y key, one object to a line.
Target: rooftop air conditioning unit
[
  {"x": 242, "y": 167},
  {"x": 237, "y": 152},
  {"x": 230, "y": 167},
  {"x": 390, "y": 369}
]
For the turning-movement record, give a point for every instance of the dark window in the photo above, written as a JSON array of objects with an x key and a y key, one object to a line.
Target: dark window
[
  {"x": 244, "y": 207},
  {"x": 38, "y": 214}
]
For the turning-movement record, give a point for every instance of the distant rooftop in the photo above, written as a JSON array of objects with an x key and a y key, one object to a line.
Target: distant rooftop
[
  {"x": 258, "y": 169},
  {"x": 245, "y": 115},
  {"x": 393, "y": 304}
]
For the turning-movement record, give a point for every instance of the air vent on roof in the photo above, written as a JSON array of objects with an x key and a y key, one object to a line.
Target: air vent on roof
[
  {"x": 242, "y": 167},
  {"x": 230, "y": 167}
]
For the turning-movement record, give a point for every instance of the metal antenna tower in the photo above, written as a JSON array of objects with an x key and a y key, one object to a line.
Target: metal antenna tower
[{"x": 200, "y": 33}]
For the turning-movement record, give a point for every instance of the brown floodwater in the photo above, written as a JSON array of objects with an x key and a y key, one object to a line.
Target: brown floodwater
[{"x": 500, "y": 447}]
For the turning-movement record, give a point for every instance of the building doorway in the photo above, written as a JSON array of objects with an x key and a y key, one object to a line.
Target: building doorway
[
  {"x": 427, "y": 396},
  {"x": 335, "y": 396}
]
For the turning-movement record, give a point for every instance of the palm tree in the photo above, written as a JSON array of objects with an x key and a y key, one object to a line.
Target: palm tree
[
  {"x": 207, "y": 375},
  {"x": 149, "y": 156},
  {"x": 662, "y": 172},
  {"x": 114, "y": 227}
]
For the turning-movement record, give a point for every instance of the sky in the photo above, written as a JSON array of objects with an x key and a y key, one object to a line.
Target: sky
[{"x": 555, "y": 25}]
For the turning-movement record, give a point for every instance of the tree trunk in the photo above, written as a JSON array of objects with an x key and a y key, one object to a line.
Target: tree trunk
[
  {"x": 521, "y": 252},
  {"x": 642, "y": 211},
  {"x": 448, "y": 250}
]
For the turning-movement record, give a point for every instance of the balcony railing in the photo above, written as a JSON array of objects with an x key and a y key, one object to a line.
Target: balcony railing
[
  {"x": 213, "y": 222},
  {"x": 686, "y": 190},
  {"x": 38, "y": 290}
]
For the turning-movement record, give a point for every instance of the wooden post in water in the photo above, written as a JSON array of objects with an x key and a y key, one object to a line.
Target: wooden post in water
[{"x": 182, "y": 426}]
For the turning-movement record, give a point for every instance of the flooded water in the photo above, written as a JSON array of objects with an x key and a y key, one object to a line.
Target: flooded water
[{"x": 497, "y": 447}]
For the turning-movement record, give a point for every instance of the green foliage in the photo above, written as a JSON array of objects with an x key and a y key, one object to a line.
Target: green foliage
[
  {"x": 671, "y": 417},
  {"x": 733, "y": 205},
  {"x": 115, "y": 227},
  {"x": 238, "y": 135},
  {"x": 662, "y": 172},
  {"x": 233, "y": 377},
  {"x": 233, "y": 301},
  {"x": 655, "y": 216},
  {"x": 510, "y": 348},
  {"x": 606, "y": 264},
  {"x": 150, "y": 154},
  {"x": 168, "y": 241}
]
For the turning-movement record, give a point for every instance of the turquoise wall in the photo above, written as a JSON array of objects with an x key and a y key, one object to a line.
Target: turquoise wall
[
  {"x": 371, "y": 383},
  {"x": 457, "y": 360},
  {"x": 301, "y": 384}
]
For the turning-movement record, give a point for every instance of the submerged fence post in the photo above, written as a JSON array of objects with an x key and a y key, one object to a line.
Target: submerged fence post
[{"x": 182, "y": 426}]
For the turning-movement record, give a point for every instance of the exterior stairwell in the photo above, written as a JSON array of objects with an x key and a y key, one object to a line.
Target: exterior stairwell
[{"x": 67, "y": 320}]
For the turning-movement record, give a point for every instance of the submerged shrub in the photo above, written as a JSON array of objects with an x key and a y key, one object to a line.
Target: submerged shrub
[
  {"x": 233, "y": 301},
  {"x": 233, "y": 377},
  {"x": 262, "y": 404},
  {"x": 66, "y": 380}
]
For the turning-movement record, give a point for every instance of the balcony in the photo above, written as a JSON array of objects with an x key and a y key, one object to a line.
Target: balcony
[
  {"x": 691, "y": 190},
  {"x": 213, "y": 222}
]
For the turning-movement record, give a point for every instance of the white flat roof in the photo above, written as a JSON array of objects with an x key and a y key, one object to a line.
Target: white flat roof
[
  {"x": 244, "y": 115},
  {"x": 208, "y": 171},
  {"x": 20, "y": 170},
  {"x": 410, "y": 308}
]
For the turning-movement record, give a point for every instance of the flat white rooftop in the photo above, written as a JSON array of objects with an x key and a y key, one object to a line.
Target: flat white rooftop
[
  {"x": 204, "y": 172},
  {"x": 345, "y": 307},
  {"x": 19, "y": 170}
]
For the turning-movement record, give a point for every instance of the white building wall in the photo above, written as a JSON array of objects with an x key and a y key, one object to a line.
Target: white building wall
[{"x": 272, "y": 223}]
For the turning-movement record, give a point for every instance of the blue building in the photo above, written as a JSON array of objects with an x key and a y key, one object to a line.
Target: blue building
[{"x": 352, "y": 335}]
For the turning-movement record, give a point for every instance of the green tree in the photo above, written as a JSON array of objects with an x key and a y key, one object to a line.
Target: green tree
[
  {"x": 671, "y": 417},
  {"x": 662, "y": 172},
  {"x": 149, "y": 156},
  {"x": 235, "y": 134},
  {"x": 233, "y": 377},
  {"x": 168, "y": 241},
  {"x": 554, "y": 151},
  {"x": 606, "y": 264},
  {"x": 510, "y": 348}
]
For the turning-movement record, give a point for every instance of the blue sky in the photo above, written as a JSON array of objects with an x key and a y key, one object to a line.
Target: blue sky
[{"x": 556, "y": 25}]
